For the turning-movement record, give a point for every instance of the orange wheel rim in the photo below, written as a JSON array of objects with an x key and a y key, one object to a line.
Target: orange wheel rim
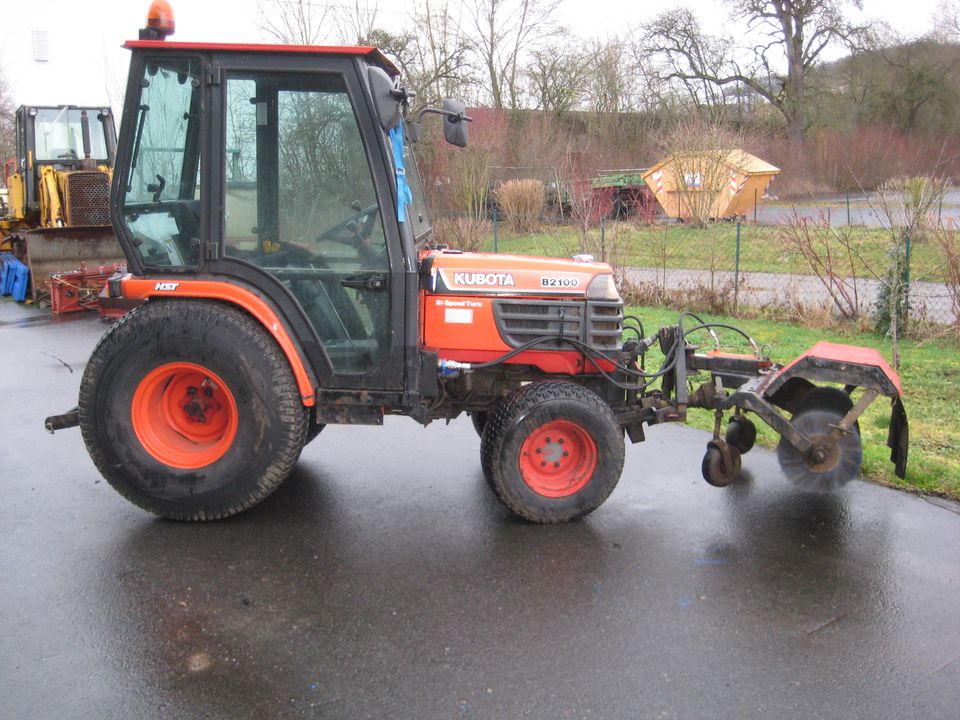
[
  {"x": 558, "y": 459},
  {"x": 184, "y": 415}
]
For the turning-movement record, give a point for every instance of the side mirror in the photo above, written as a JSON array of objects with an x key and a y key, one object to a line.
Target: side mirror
[
  {"x": 455, "y": 122},
  {"x": 385, "y": 101}
]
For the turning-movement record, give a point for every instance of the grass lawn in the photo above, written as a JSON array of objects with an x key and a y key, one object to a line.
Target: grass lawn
[
  {"x": 682, "y": 247},
  {"x": 930, "y": 372}
]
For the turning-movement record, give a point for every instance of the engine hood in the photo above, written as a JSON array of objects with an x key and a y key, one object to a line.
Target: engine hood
[{"x": 450, "y": 272}]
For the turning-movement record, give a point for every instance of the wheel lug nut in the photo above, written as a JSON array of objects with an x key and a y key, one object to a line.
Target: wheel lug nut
[
  {"x": 556, "y": 464},
  {"x": 560, "y": 441},
  {"x": 539, "y": 451},
  {"x": 548, "y": 439},
  {"x": 566, "y": 453}
]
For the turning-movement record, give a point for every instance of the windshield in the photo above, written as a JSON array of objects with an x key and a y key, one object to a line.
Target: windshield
[
  {"x": 420, "y": 220},
  {"x": 160, "y": 206},
  {"x": 59, "y": 135}
]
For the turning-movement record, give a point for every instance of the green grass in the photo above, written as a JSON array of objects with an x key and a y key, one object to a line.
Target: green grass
[
  {"x": 930, "y": 372},
  {"x": 683, "y": 247}
]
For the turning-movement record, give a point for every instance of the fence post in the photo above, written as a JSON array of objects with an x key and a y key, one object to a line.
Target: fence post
[
  {"x": 736, "y": 277},
  {"x": 603, "y": 240},
  {"x": 848, "y": 208},
  {"x": 496, "y": 244},
  {"x": 755, "y": 206}
]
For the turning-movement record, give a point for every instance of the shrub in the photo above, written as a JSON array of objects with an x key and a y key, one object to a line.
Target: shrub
[
  {"x": 521, "y": 201},
  {"x": 463, "y": 233}
]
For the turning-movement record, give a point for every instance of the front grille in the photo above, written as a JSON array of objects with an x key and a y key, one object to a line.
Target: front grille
[
  {"x": 598, "y": 324},
  {"x": 87, "y": 198}
]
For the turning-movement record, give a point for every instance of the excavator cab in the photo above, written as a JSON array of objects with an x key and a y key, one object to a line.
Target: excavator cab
[{"x": 61, "y": 174}]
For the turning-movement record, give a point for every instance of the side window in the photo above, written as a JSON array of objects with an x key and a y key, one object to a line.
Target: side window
[
  {"x": 161, "y": 203},
  {"x": 300, "y": 203}
]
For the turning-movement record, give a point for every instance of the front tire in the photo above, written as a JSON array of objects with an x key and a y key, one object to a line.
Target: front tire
[
  {"x": 190, "y": 410},
  {"x": 552, "y": 452}
]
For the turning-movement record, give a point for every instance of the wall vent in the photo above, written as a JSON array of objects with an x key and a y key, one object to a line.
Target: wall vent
[{"x": 41, "y": 46}]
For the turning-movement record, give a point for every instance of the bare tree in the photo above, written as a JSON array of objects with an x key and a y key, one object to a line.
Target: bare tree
[
  {"x": 781, "y": 33},
  {"x": 293, "y": 22},
  {"x": 557, "y": 76},
  {"x": 612, "y": 79},
  {"x": 7, "y": 117},
  {"x": 946, "y": 21},
  {"x": 357, "y": 22},
  {"x": 501, "y": 31},
  {"x": 438, "y": 62}
]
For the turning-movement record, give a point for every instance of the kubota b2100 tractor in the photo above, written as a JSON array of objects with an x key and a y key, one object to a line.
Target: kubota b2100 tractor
[{"x": 276, "y": 237}]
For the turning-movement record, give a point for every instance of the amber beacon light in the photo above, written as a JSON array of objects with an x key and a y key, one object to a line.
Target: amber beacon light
[{"x": 160, "y": 21}]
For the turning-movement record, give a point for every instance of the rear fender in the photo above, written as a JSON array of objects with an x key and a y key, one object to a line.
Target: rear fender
[{"x": 135, "y": 288}]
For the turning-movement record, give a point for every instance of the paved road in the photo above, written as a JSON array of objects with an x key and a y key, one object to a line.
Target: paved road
[
  {"x": 928, "y": 300},
  {"x": 383, "y": 581},
  {"x": 865, "y": 209}
]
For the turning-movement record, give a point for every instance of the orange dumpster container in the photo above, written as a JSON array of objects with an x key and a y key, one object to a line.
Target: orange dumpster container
[{"x": 724, "y": 185}]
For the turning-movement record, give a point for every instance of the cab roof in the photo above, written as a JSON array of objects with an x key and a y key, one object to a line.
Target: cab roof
[{"x": 372, "y": 54}]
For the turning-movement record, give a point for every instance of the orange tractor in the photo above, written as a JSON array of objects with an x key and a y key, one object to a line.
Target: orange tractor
[{"x": 287, "y": 276}]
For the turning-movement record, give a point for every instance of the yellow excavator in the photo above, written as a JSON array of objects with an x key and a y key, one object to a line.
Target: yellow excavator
[{"x": 57, "y": 214}]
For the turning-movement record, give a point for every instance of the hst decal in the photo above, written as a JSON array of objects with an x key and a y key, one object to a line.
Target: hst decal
[{"x": 166, "y": 286}]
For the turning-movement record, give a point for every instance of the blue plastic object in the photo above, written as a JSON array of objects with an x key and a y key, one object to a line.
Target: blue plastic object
[
  {"x": 14, "y": 277},
  {"x": 404, "y": 194},
  {"x": 6, "y": 273},
  {"x": 21, "y": 279}
]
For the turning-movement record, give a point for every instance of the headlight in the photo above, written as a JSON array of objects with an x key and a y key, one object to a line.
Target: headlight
[{"x": 602, "y": 287}]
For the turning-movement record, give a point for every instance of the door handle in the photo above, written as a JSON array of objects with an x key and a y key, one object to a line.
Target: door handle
[{"x": 374, "y": 283}]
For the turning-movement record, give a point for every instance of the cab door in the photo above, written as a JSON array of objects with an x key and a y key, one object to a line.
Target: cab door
[{"x": 307, "y": 213}]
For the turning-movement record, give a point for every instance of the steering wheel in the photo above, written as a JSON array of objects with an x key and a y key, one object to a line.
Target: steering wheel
[{"x": 355, "y": 229}]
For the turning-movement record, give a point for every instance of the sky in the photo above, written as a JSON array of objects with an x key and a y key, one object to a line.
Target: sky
[{"x": 88, "y": 66}]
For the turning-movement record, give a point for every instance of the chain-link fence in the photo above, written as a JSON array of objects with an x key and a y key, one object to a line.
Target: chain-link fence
[{"x": 798, "y": 265}]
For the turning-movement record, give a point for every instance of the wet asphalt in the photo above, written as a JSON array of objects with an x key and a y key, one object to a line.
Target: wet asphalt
[{"x": 383, "y": 580}]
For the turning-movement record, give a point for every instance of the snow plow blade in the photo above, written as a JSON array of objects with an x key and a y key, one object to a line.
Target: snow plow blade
[{"x": 50, "y": 250}]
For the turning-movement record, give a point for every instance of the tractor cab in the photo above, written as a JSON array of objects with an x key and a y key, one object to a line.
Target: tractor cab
[
  {"x": 277, "y": 168},
  {"x": 285, "y": 171}
]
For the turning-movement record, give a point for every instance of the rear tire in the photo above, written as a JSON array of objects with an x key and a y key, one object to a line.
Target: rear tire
[
  {"x": 552, "y": 452},
  {"x": 160, "y": 447}
]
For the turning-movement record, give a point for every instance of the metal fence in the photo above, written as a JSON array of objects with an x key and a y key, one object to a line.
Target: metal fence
[{"x": 856, "y": 272}]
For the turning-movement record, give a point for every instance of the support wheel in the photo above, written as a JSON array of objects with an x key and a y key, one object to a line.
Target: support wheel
[
  {"x": 552, "y": 451},
  {"x": 721, "y": 464},
  {"x": 190, "y": 410},
  {"x": 741, "y": 434}
]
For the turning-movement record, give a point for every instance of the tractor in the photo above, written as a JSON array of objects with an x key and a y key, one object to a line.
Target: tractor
[{"x": 287, "y": 277}]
